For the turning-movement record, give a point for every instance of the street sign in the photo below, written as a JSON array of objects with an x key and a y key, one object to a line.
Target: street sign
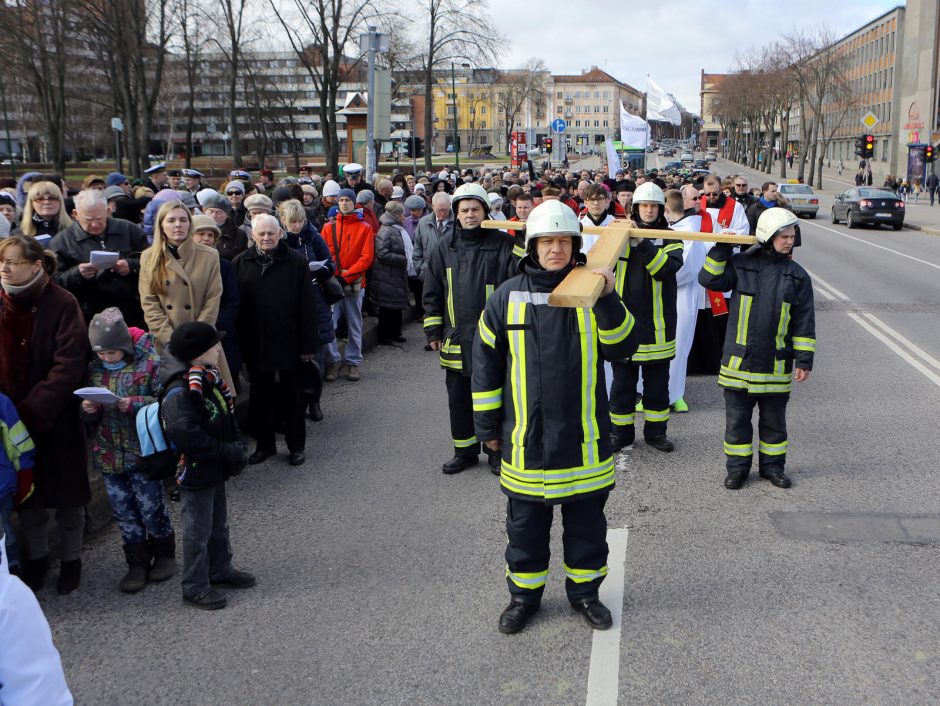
[
  {"x": 558, "y": 125},
  {"x": 870, "y": 120},
  {"x": 117, "y": 124}
]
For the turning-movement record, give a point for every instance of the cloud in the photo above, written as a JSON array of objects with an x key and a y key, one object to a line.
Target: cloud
[{"x": 670, "y": 41}]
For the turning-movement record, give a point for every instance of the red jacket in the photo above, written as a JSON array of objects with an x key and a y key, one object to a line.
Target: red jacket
[
  {"x": 356, "y": 241},
  {"x": 368, "y": 215}
]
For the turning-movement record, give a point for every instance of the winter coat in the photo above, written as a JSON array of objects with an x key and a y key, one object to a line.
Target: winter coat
[
  {"x": 356, "y": 241},
  {"x": 313, "y": 248},
  {"x": 228, "y": 316},
  {"x": 232, "y": 241},
  {"x": 115, "y": 447},
  {"x": 368, "y": 215},
  {"x": 17, "y": 450},
  {"x": 538, "y": 386},
  {"x": 202, "y": 427},
  {"x": 73, "y": 246},
  {"x": 772, "y": 323},
  {"x": 465, "y": 268},
  {"x": 277, "y": 316},
  {"x": 426, "y": 238},
  {"x": 389, "y": 284},
  {"x": 43, "y": 354}
]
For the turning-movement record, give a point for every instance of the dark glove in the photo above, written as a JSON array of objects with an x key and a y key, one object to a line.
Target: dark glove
[
  {"x": 726, "y": 249},
  {"x": 341, "y": 280},
  {"x": 321, "y": 275}
]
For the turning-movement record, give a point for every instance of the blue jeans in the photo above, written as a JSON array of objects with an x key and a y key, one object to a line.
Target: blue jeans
[
  {"x": 207, "y": 552},
  {"x": 350, "y": 308},
  {"x": 138, "y": 506},
  {"x": 6, "y": 521}
]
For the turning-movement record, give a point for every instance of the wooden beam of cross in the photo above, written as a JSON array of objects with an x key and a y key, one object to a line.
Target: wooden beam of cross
[{"x": 582, "y": 288}]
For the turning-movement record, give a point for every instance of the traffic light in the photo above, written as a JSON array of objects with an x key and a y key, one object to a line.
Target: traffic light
[
  {"x": 859, "y": 146},
  {"x": 548, "y": 144},
  {"x": 409, "y": 147},
  {"x": 869, "y": 146},
  {"x": 418, "y": 146},
  {"x": 928, "y": 153}
]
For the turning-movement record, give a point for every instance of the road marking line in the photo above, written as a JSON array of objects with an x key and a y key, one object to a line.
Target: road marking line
[
  {"x": 875, "y": 245},
  {"x": 884, "y": 333},
  {"x": 604, "y": 675}
]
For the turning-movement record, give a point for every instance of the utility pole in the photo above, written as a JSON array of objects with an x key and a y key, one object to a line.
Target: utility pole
[
  {"x": 370, "y": 43},
  {"x": 6, "y": 123},
  {"x": 453, "y": 88}
]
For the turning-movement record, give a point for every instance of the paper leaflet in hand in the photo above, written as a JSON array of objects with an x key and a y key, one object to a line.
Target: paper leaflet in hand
[
  {"x": 104, "y": 259},
  {"x": 98, "y": 395},
  {"x": 317, "y": 265}
]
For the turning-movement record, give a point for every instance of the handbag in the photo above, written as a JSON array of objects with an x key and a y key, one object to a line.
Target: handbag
[{"x": 332, "y": 290}]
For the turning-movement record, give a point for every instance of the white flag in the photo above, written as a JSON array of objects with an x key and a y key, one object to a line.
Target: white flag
[
  {"x": 634, "y": 130},
  {"x": 659, "y": 106},
  {"x": 613, "y": 159}
]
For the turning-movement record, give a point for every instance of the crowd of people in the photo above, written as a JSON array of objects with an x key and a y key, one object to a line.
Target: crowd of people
[{"x": 165, "y": 289}]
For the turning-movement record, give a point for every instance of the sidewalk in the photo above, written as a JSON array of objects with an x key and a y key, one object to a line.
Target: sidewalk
[{"x": 919, "y": 214}]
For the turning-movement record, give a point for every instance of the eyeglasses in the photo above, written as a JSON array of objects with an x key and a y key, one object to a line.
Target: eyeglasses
[
  {"x": 46, "y": 197},
  {"x": 710, "y": 194},
  {"x": 741, "y": 186},
  {"x": 13, "y": 263},
  {"x": 233, "y": 193},
  {"x": 596, "y": 199}
]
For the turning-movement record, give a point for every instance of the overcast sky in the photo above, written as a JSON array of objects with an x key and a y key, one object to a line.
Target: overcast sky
[{"x": 670, "y": 41}]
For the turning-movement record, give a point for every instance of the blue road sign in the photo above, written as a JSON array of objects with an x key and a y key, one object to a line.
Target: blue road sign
[{"x": 558, "y": 125}]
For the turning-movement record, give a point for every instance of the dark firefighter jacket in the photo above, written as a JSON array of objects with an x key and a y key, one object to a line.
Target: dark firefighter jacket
[
  {"x": 538, "y": 386},
  {"x": 464, "y": 269},
  {"x": 646, "y": 281},
  {"x": 772, "y": 324}
]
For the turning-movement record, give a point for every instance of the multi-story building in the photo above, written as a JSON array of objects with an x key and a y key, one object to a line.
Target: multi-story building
[
  {"x": 710, "y": 135},
  {"x": 589, "y": 103}
]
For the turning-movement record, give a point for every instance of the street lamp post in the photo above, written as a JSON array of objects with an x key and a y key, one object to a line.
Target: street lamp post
[
  {"x": 369, "y": 43},
  {"x": 453, "y": 88}
]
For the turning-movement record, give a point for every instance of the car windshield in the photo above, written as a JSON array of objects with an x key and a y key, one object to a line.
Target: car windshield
[
  {"x": 794, "y": 189},
  {"x": 876, "y": 194}
]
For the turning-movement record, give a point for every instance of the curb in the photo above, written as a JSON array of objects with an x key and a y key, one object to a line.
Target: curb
[{"x": 929, "y": 230}]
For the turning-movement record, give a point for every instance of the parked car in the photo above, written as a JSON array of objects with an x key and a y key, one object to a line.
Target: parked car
[
  {"x": 802, "y": 200},
  {"x": 686, "y": 157},
  {"x": 711, "y": 156},
  {"x": 867, "y": 204}
]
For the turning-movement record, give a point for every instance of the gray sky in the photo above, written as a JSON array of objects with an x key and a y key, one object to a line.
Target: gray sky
[{"x": 670, "y": 41}]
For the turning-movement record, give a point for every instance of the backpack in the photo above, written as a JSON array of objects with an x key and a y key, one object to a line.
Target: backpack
[{"x": 159, "y": 458}]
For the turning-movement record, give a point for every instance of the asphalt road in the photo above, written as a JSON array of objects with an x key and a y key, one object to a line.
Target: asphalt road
[{"x": 380, "y": 579}]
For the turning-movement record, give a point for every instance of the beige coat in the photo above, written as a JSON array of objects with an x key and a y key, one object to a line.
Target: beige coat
[{"x": 193, "y": 290}]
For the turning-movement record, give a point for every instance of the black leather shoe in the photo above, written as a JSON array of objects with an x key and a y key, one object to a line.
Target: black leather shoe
[
  {"x": 778, "y": 479},
  {"x": 260, "y": 456},
  {"x": 459, "y": 463},
  {"x": 316, "y": 414},
  {"x": 210, "y": 600},
  {"x": 734, "y": 481},
  {"x": 661, "y": 443},
  {"x": 515, "y": 617},
  {"x": 621, "y": 442},
  {"x": 595, "y": 613},
  {"x": 235, "y": 579},
  {"x": 296, "y": 458}
]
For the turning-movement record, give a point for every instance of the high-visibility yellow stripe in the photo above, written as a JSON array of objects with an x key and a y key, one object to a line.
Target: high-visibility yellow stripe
[
  {"x": 487, "y": 400},
  {"x": 465, "y": 443},
  {"x": 659, "y": 321},
  {"x": 450, "y": 297},
  {"x": 518, "y": 251},
  {"x": 590, "y": 432},
  {"x": 715, "y": 267},
  {"x": 739, "y": 449},
  {"x": 528, "y": 579},
  {"x": 620, "y": 273},
  {"x": 653, "y": 351},
  {"x": 755, "y": 377},
  {"x": 488, "y": 290},
  {"x": 774, "y": 449},
  {"x": 486, "y": 333},
  {"x": 517, "y": 381},
  {"x": 754, "y": 387},
  {"x": 672, "y": 247},
  {"x": 804, "y": 344},
  {"x": 430, "y": 321},
  {"x": 744, "y": 313},
  {"x": 585, "y": 575},
  {"x": 557, "y": 483},
  {"x": 622, "y": 420},
  {"x": 656, "y": 415},
  {"x": 656, "y": 264},
  {"x": 616, "y": 335}
]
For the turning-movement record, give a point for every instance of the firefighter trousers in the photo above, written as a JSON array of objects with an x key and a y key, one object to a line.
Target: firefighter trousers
[
  {"x": 460, "y": 404},
  {"x": 655, "y": 399},
  {"x": 529, "y": 524},
  {"x": 771, "y": 431}
]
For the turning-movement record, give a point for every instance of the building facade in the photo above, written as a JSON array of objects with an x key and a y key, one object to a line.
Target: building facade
[{"x": 589, "y": 103}]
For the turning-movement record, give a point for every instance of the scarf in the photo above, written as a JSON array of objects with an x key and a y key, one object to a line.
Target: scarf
[
  {"x": 264, "y": 259},
  {"x": 44, "y": 226},
  {"x": 768, "y": 204},
  {"x": 14, "y": 289},
  {"x": 199, "y": 375}
]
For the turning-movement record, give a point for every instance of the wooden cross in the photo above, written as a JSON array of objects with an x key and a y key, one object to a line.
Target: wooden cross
[{"x": 582, "y": 288}]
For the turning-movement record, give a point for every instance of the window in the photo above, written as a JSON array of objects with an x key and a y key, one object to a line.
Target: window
[
  {"x": 577, "y": 94},
  {"x": 483, "y": 125},
  {"x": 567, "y": 123},
  {"x": 577, "y": 123},
  {"x": 483, "y": 110},
  {"x": 597, "y": 109},
  {"x": 597, "y": 94},
  {"x": 577, "y": 109},
  {"x": 560, "y": 95},
  {"x": 607, "y": 95},
  {"x": 558, "y": 110},
  {"x": 605, "y": 123},
  {"x": 606, "y": 108},
  {"x": 597, "y": 123}
]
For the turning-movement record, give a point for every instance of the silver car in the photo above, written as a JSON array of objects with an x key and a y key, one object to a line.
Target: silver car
[{"x": 801, "y": 197}]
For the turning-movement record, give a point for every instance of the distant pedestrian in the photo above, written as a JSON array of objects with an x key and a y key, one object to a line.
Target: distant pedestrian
[
  {"x": 932, "y": 183},
  {"x": 841, "y": 167}
]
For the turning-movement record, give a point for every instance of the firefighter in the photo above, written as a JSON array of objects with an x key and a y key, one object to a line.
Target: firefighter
[
  {"x": 648, "y": 281},
  {"x": 771, "y": 339},
  {"x": 464, "y": 269},
  {"x": 539, "y": 398}
]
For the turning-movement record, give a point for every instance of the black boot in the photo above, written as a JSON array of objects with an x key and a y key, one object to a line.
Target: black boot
[
  {"x": 34, "y": 572},
  {"x": 459, "y": 463},
  {"x": 138, "y": 563},
  {"x": 313, "y": 405},
  {"x": 164, "y": 558},
  {"x": 735, "y": 480},
  {"x": 777, "y": 478},
  {"x": 515, "y": 616},
  {"x": 70, "y": 574},
  {"x": 622, "y": 441},
  {"x": 594, "y": 612}
]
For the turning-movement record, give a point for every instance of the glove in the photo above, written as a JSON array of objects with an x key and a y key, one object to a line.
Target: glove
[
  {"x": 321, "y": 275},
  {"x": 725, "y": 249}
]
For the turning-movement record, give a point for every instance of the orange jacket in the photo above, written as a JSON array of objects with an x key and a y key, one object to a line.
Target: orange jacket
[{"x": 356, "y": 241}]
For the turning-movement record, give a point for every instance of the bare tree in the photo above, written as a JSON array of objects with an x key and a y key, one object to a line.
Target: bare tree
[
  {"x": 455, "y": 31},
  {"x": 191, "y": 38},
  {"x": 320, "y": 32},
  {"x": 517, "y": 90},
  {"x": 229, "y": 16}
]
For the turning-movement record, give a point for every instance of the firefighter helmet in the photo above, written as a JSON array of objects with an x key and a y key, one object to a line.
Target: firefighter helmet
[
  {"x": 471, "y": 191},
  {"x": 772, "y": 221},
  {"x": 648, "y": 192},
  {"x": 551, "y": 218}
]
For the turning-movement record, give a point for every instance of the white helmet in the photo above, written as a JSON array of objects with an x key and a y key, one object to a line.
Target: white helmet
[
  {"x": 471, "y": 191},
  {"x": 648, "y": 192},
  {"x": 551, "y": 218},
  {"x": 772, "y": 221}
]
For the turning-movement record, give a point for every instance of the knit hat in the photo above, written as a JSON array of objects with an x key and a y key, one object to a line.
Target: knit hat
[
  {"x": 398, "y": 192},
  {"x": 189, "y": 201},
  {"x": 210, "y": 198},
  {"x": 108, "y": 332},
  {"x": 346, "y": 194},
  {"x": 115, "y": 179},
  {"x": 281, "y": 193},
  {"x": 420, "y": 188},
  {"x": 7, "y": 198},
  {"x": 115, "y": 192},
  {"x": 331, "y": 189},
  {"x": 415, "y": 202},
  {"x": 202, "y": 222},
  {"x": 365, "y": 196},
  {"x": 258, "y": 201},
  {"x": 235, "y": 186},
  {"x": 192, "y": 339}
]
